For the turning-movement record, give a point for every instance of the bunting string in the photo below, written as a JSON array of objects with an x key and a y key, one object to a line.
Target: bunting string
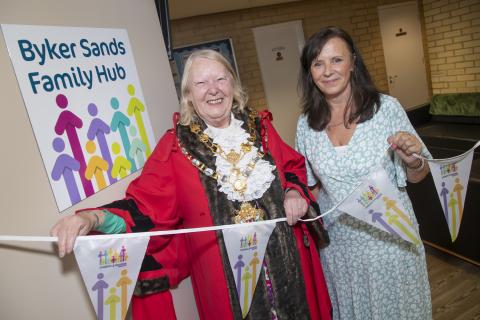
[
  {"x": 4, "y": 238},
  {"x": 458, "y": 158}
]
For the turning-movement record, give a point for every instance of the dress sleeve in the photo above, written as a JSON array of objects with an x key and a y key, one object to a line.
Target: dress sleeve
[
  {"x": 150, "y": 203},
  {"x": 301, "y": 148},
  {"x": 400, "y": 122}
]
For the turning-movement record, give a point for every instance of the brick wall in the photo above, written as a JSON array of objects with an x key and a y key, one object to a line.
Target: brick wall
[
  {"x": 358, "y": 17},
  {"x": 453, "y": 39}
]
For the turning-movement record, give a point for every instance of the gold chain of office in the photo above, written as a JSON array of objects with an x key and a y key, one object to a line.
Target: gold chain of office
[{"x": 237, "y": 178}]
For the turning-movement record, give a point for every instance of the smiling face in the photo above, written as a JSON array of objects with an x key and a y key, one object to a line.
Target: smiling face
[
  {"x": 331, "y": 70},
  {"x": 211, "y": 91}
]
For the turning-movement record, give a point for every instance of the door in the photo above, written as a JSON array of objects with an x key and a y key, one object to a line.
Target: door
[
  {"x": 278, "y": 50},
  {"x": 403, "y": 50}
]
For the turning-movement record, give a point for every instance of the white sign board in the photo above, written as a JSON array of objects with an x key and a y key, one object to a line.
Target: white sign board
[{"x": 83, "y": 97}]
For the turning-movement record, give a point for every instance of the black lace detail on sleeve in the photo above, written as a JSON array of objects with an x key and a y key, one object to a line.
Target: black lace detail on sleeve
[
  {"x": 151, "y": 286},
  {"x": 142, "y": 222}
]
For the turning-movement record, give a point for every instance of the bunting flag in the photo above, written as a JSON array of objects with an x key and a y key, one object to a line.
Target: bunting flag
[
  {"x": 376, "y": 202},
  {"x": 246, "y": 249},
  {"x": 110, "y": 268},
  {"x": 451, "y": 180}
]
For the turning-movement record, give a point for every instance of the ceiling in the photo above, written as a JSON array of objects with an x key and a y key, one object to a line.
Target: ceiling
[{"x": 189, "y": 8}]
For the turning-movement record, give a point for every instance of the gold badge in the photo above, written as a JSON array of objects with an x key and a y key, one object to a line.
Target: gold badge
[{"x": 248, "y": 213}]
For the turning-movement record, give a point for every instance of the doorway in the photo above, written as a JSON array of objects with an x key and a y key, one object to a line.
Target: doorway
[
  {"x": 278, "y": 50},
  {"x": 403, "y": 50}
]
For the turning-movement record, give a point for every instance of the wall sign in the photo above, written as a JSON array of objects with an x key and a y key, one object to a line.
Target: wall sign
[{"x": 83, "y": 97}]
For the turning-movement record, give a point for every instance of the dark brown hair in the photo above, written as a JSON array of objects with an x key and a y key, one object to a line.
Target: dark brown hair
[{"x": 365, "y": 98}]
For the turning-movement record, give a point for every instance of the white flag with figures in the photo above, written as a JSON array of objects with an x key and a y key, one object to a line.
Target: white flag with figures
[
  {"x": 246, "y": 249},
  {"x": 109, "y": 269},
  {"x": 376, "y": 202},
  {"x": 451, "y": 180}
]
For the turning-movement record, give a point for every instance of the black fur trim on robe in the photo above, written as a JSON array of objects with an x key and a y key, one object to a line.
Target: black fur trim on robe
[
  {"x": 151, "y": 286},
  {"x": 281, "y": 256},
  {"x": 143, "y": 223}
]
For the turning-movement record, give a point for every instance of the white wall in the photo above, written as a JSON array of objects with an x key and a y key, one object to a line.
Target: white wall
[
  {"x": 34, "y": 282},
  {"x": 279, "y": 48}
]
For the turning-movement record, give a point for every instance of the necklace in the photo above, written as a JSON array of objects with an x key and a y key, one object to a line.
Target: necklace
[
  {"x": 232, "y": 156},
  {"x": 236, "y": 177}
]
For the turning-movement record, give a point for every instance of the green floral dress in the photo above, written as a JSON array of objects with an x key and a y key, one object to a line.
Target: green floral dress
[{"x": 370, "y": 274}]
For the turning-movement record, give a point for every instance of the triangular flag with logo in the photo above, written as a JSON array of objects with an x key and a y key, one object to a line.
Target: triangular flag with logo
[
  {"x": 110, "y": 269},
  {"x": 451, "y": 180},
  {"x": 246, "y": 248},
  {"x": 376, "y": 202}
]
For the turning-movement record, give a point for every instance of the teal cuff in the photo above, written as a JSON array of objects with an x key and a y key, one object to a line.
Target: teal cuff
[{"x": 112, "y": 224}]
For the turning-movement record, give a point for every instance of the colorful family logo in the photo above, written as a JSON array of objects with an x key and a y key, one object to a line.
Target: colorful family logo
[
  {"x": 248, "y": 242},
  {"x": 111, "y": 300},
  {"x": 369, "y": 196},
  {"x": 112, "y": 258},
  {"x": 246, "y": 279},
  {"x": 394, "y": 220},
  {"x": 109, "y": 165},
  {"x": 450, "y": 169},
  {"x": 452, "y": 204}
]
